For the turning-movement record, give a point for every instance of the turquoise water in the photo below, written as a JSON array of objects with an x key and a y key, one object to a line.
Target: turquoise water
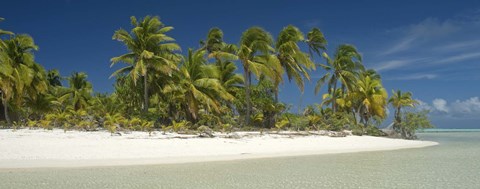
[
  {"x": 455, "y": 163},
  {"x": 448, "y": 130}
]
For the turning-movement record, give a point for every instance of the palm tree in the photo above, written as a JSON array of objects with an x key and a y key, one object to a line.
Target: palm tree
[
  {"x": 214, "y": 41},
  {"x": 129, "y": 93},
  {"x": 295, "y": 62},
  {"x": 372, "y": 97},
  {"x": 343, "y": 67},
  {"x": 227, "y": 77},
  {"x": 200, "y": 84},
  {"x": 40, "y": 105},
  {"x": 316, "y": 42},
  {"x": 399, "y": 100},
  {"x": 224, "y": 55},
  {"x": 150, "y": 49},
  {"x": 103, "y": 104},
  {"x": 256, "y": 54},
  {"x": 20, "y": 76},
  {"x": 54, "y": 78},
  {"x": 78, "y": 92}
]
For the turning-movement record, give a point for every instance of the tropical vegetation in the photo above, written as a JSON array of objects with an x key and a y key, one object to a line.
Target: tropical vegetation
[{"x": 219, "y": 86}]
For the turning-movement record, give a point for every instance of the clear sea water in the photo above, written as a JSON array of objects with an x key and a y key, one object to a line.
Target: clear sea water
[{"x": 455, "y": 163}]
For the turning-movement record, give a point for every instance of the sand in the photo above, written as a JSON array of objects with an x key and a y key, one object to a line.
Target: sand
[{"x": 40, "y": 148}]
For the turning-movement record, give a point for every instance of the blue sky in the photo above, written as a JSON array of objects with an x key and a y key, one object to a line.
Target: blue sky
[{"x": 431, "y": 48}]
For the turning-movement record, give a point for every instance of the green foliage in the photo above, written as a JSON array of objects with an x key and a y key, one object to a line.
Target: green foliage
[
  {"x": 158, "y": 86},
  {"x": 398, "y": 101},
  {"x": 46, "y": 124},
  {"x": 297, "y": 122},
  {"x": 59, "y": 119},
  {"x": 135, "y": 124},
  {"x": 226, "y": 127},
  {"x": 150, "y": 49},
  {"x": 147, "y": 126},
  {"x": 412, "y": 121},
  {"x": 205, "y": 131},
  {"x": 282, "y": 124},
  {"x": 358, "y": 130},
  {"x": 87, "y": 125},
  {"x": 337, "y": 121},
  {"x": 372, "y": 130},
  {"x": 177, "y": 127},
  {"x": 78, "y": 93},
  {"x": 32, "y": 124},
  {"x": 112, "y": 121}
]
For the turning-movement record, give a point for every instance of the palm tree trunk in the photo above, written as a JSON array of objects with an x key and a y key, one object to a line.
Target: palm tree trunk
[
  {"x": 334, "y": 98},
  {"x": 145, "y": 93},
  {"x": 398, "y": 120},
  {"x": 247, "y": 96},
  {"x": 276, "y": 94},
  {"x": 274, "y": 116},
  {"x": 354, "y": 117},
  {"x": 5, "y": 110}
]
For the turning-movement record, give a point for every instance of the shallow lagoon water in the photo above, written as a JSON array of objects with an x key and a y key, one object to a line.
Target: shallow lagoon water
[{"x": 455, "y": 163}]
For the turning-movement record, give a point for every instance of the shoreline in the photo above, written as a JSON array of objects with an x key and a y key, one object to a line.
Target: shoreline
[{"x": 55, "y": 149}]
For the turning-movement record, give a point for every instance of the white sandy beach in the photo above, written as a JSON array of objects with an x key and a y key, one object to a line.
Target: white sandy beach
[{"x": 39, "y": 148}]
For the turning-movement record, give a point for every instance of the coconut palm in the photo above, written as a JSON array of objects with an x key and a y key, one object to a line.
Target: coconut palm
[
  {"x": 295, "y": 62},
  {"x": 7, "y": 84},
  {"x": 224, "y": 55},
  {"x": 227, "y": 77},
  {"x": 342, "y": 68},
  {"x": 20, "y": 76},
  {"x": 398, "y": 101},
  {"x": 40, "y": 105},
  {"x": 316, "y": 42},
  {"x": 372, "y": 97},
  {"x": 214, "y": 41},
  {"x": 102, "y": 104},
  {"x": 150, "y": 50},
  {"x": 54, "y": 78},
  {"x": 128, "y": 93},
  {"x": 200, "y": 85},
  {"x": 256, "y": 54},
  {"x": 217, "y": 48},
  {"x": 78, "y": 92}
]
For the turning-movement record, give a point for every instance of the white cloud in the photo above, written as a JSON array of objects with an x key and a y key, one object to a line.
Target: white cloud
[
  {"x": 393, "y": 64},
  {"x": 421, "y": 32},
  {"x": 458, "y": 58},
  {"x": 415, "y": 77},
  {"x": 459, "y": 45},
  {"x": 466, "y": 109},
  {"x": 469, "y": 106},
  {"x": 404, "y": 44},
  {"x": 431, "y": 49},
  {"x": 440, "y": 105},
  {"x": 423, "y": 106}
]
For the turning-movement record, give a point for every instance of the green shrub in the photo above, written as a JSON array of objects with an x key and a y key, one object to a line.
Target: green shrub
[
  {"x": 46, "y": 124},
  {"x": 374, "y": 131},
  {"x": 412, "y": 121},
  {"x": 32, "y": 123},
  {"x": 282, "y": 124},
  {"x": 358, "y": 130},
  {"x": 147, "y": 126},
  {"x": 226, "y": 127},
  {"x": 205, "y": 131},
  {"x": 178, "y": 127}
]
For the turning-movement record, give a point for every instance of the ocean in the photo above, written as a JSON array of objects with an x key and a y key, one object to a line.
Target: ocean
[{"x": 454, "y": 163}]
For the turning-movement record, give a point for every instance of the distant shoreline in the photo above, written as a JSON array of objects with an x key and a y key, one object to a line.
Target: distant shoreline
[
  {"x": 447, "y": 130},
  {"x": 55, "y": 149}
]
